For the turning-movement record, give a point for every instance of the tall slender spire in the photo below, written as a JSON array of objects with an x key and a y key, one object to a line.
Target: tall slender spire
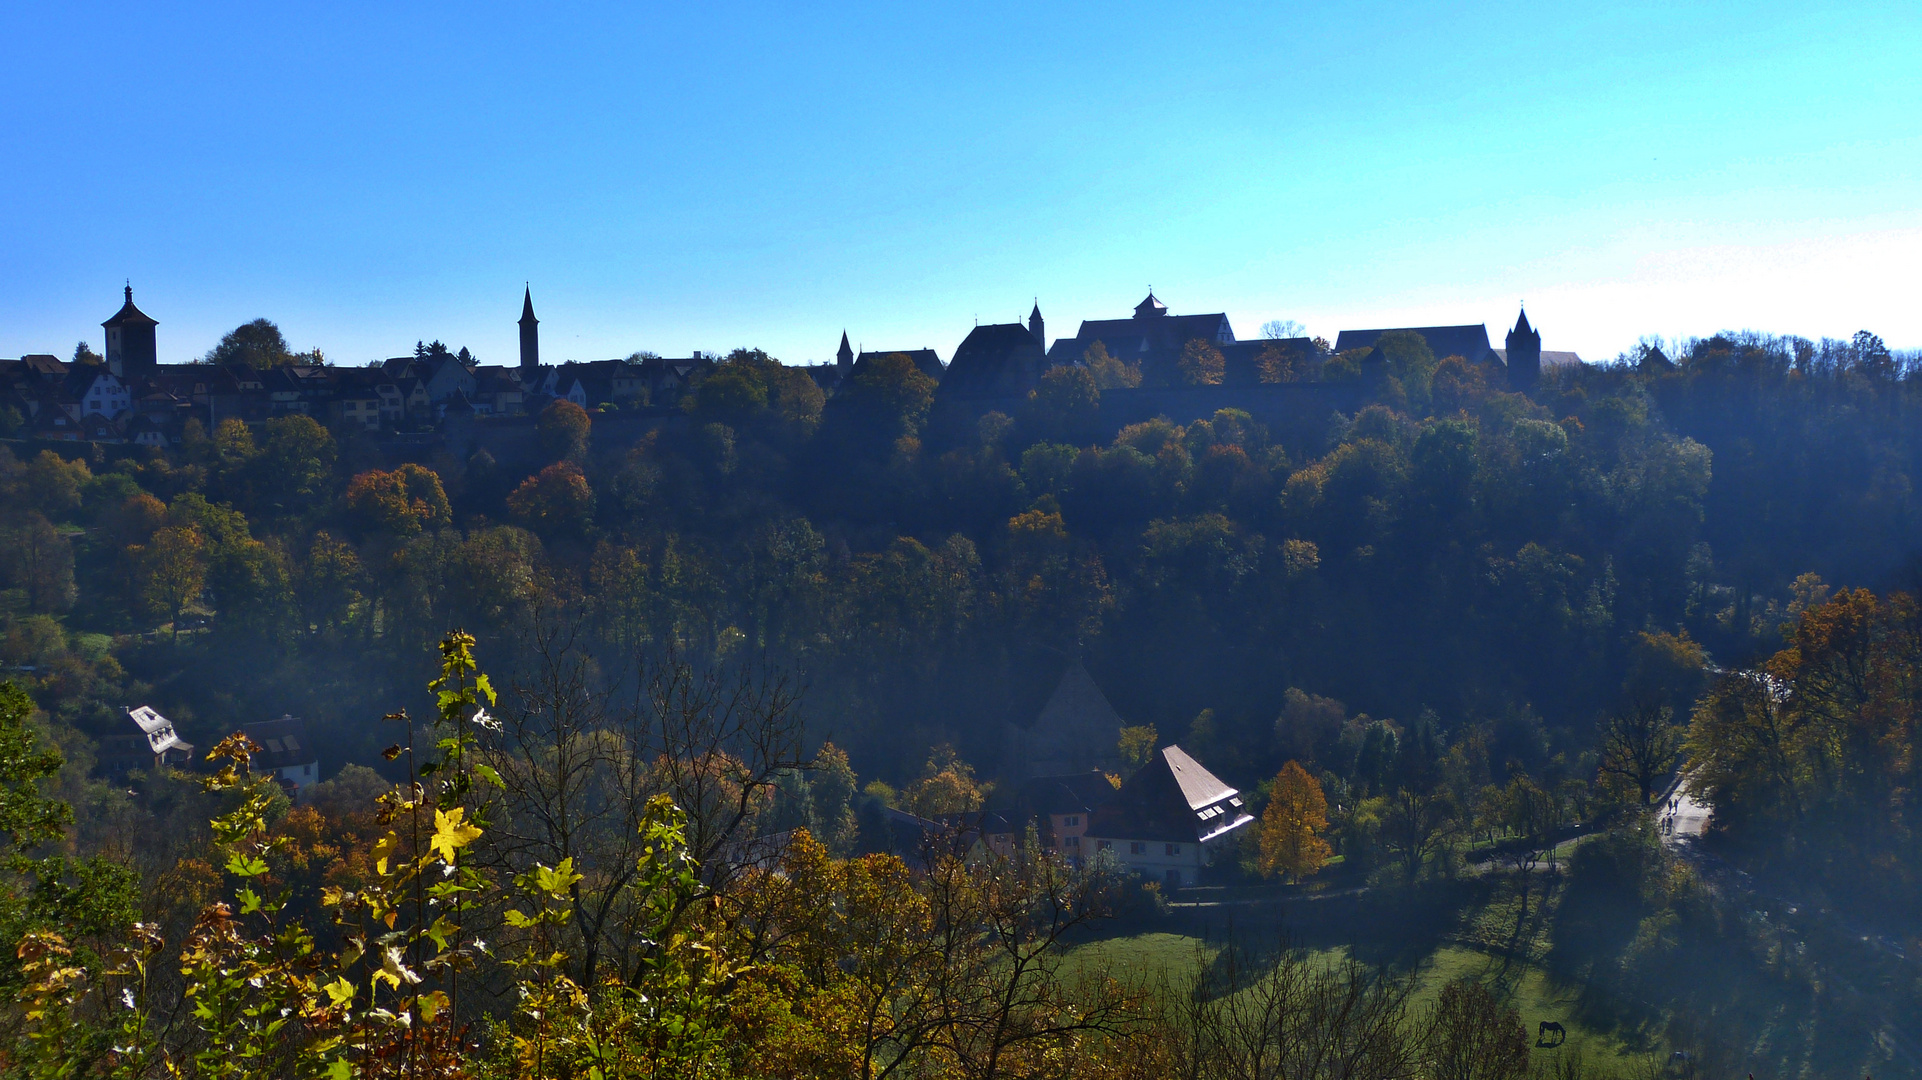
[
  {"x": 1038, "y": 326},
  {"x": 844, "y": 355},
  {"x": 530, "y": 336}
]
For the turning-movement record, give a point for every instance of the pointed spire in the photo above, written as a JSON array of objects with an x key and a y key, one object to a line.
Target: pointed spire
[
  {"x": 1150, "y": 306},
  {"x": 1521, "y": 324},
  {"x": 130, "y": 291},
  {"x": 844, "y": 355},
  {"x": 527, "y": 305}
]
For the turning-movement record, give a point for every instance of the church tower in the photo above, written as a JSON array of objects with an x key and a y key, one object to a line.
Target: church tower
[
  {"x": 530, "y": 338},
  {"x": 130, "y": 342},
  {"x": 844, "y": 356},
  {"x": 1037, "y": 326},
  {"x": 1524, "y": 355}
]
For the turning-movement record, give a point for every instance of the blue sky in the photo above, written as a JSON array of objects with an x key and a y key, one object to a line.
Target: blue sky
[{"x": 704, "y": 176}]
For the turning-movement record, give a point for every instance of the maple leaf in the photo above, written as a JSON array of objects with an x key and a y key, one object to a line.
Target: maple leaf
[{"x": 451, "y": 832}]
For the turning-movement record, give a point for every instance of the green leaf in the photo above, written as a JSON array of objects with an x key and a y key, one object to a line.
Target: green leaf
[
  {"x": 488, "y": 773},
  {"x": 482, "y": 684},
  {"x": 249, "y": 902},
  {"x": 246, "y": 866},
  {"x": 340, "y": 992}
]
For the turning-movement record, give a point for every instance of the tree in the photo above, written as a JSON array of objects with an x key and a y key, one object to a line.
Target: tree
[
  {"x": 402, "y": 502},
  {"x": 1641, "y": 744},
  {"x": 1275, "y": 364},
  {"x": 84, "y": 356},
  {"x": 946, "y": 786},
  {"x": 173, "y": 571},
  {"x": 1410, "y": 362},
  {"x": 1108, "y": 372},
  {"x": 1292, "y": 825},
  {"x": 257, "y": 344},
  {"x": 556, "y": 499},
  {"x": 1472, "y": 1037},
  {"x": 1137, "y": 745},
  {"x": 1201, "y": 364},
  {"x": 1280, "y": 329},
  {"x": 1066, "y": 401},
  {"x": 886, "y": 401},
  {"x": 563, "y": 429},
  {"x": 38, "y": 558},
  {"x": 52, "y": 484},
  {"x": 295, "y": 466}
]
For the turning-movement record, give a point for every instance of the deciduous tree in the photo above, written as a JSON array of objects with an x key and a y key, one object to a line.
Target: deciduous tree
[{"x": 1292, "y": 825}]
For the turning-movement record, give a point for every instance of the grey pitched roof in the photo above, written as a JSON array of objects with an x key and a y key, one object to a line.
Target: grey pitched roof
[{"x": 1468, "y": 342}]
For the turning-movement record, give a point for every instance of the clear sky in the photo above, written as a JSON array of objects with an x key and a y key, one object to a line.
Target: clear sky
[{"x": 705, "y": 176}]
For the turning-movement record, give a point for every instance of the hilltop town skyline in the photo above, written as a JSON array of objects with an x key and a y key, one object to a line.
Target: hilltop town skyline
[{"x": 496, "y": 339}]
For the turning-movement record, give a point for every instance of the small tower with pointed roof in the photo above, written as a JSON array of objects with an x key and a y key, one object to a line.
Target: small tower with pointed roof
[
  {"x": 1524, "y": 355},
  {"x": 130, "y": 341},
  {"x": 844, "y": 356},
  {"x": 1037, "y": 326},
  {"x": 530, "y": 336},
  {"x": 1150, "y": 308}
]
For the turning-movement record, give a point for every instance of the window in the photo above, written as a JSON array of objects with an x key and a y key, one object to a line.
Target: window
[
  {"x": 1074, "y": 841},
  {"x": 1174, "y": 849},
  {"x": 1137, "y": 847},
  {"x": 1103, "y": 845},
  {"x": 1071, "y": 819}
]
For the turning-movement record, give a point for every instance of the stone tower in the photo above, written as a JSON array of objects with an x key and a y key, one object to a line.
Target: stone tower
[
  {"x": 1037, "y": 326},
  {"x": 1524, "y": 355},
  {"x": 130, "y": 342},
  {"x": 844, "y": 356},
  {"x": 530, "y": 337}
]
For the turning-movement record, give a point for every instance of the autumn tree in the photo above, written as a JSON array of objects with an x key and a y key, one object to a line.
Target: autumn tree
[
  {"x": 401, "y": 502},
  {"x": 1109, "y": 372},
  {"x": 1292, "y": 825},
  {"x": 946, "y": 786},
  {"x": 52, "y": 484},
  {"x": 562, "y": 430},
  {"x": 556, "y": 499},
  {"x": 1201, "y": 364}
]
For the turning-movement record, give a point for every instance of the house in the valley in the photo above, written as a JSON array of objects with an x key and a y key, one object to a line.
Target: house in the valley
[
  {"x": 153, "y": 743},
  {"x": 1061, "y": 808},
  {"x": 1167, "y": 820},
  {"x": 288, "y": 754}
]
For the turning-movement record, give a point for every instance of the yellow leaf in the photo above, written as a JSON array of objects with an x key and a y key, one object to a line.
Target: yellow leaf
[{"x": 451, "y": 833}]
